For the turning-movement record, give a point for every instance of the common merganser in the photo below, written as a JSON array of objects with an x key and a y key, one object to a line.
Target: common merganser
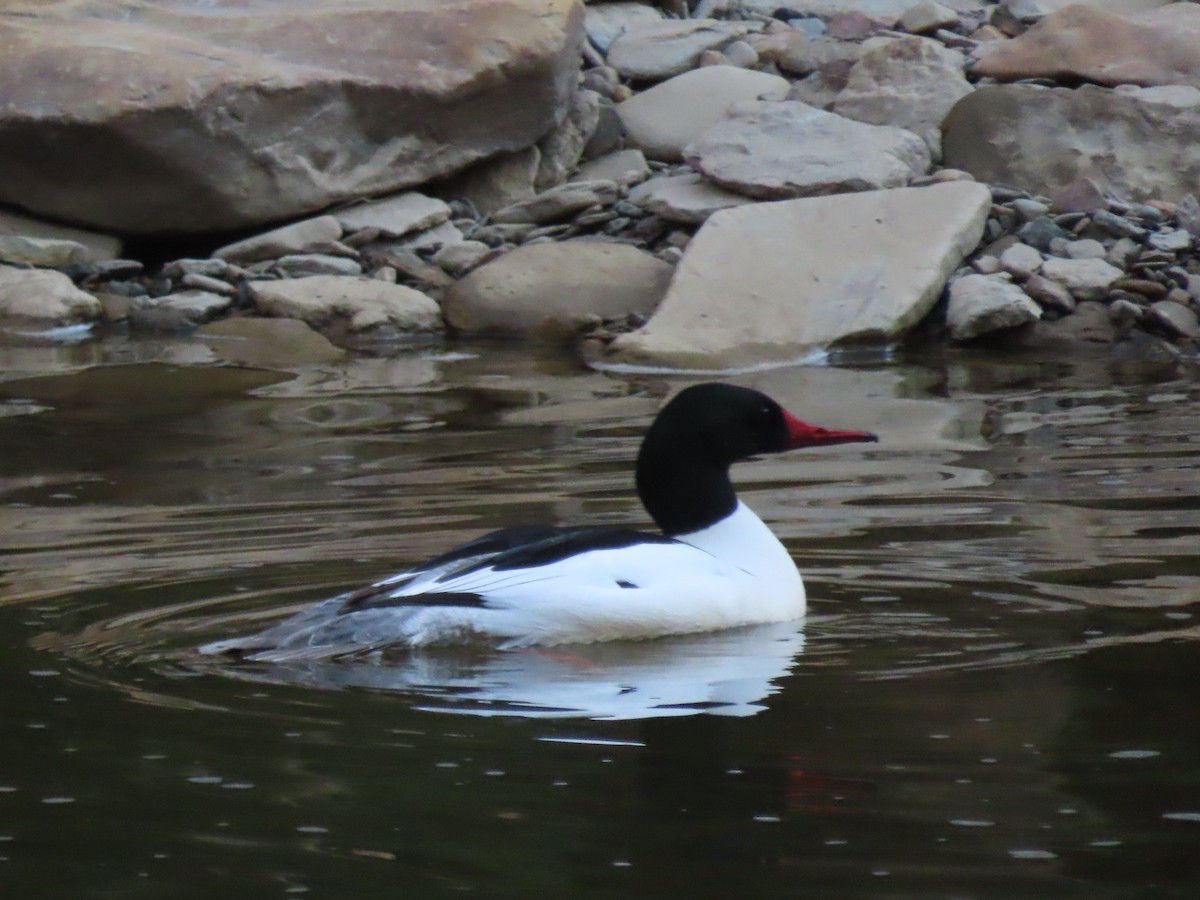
[{"x": 715, "y": 565}]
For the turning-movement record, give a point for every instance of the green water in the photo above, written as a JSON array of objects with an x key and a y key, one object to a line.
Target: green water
[{"x": 993, "y": 696}]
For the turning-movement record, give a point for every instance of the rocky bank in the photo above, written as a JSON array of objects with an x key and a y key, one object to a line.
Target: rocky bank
[{"x": 695, "y": 185}]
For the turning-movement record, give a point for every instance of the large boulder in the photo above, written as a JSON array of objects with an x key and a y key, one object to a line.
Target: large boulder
[
  {"x": 150, "y": 116},
  {"x": 1140, "y": 143},
  {"x": 550, "y": 290},
  {"x": 768, "y": 281},
  {"x": 1082, "y": 43}
]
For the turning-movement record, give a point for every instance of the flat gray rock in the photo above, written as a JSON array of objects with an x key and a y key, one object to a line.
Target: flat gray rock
[
  {"x": 557, "y": 203},
  {"x": 394, "y": 216},
  {"x": 623, "y": 167},
  {"x": 652, "y": 51},
  {"x": 779, "y": 150},
  {"x": 770, "y": 281},
  {"x": 605, "y": 22},
  {"x": 309, "y": 235},
  {"x": 688, "y": 199},
  {"x": 664, "y": 119}
]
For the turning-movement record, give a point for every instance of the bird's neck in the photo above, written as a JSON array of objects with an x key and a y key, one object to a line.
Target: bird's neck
[{"x": 683, "y": 496}]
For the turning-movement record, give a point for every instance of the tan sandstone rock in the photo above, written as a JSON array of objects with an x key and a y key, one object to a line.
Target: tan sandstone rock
[
  {"x": 552, "y": 289},
  {"x": 147, "y": 116},
  {"x": 1161, "y": 46},
  {"x": 44, "y": 295},
  {"x": 343, "y": 302}
]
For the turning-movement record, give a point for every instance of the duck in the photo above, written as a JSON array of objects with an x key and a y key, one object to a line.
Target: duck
[{"x": 713, "y": 564}]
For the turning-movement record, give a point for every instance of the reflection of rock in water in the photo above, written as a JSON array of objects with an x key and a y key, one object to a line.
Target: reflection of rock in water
[{"x": 726, "y": 673}]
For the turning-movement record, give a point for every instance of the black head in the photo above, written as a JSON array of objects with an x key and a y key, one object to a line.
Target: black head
[{"x": 683, "y": 465}]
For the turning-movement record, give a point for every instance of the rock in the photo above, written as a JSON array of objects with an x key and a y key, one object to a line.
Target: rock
[
  {"x": 98, "y": 246},
  {"x": 1081, "y": 195},
  {"x": 309, "y": 235},
  {"x": 765, "y": 281},
  {"x": 741, "y": 54},
  {"x": 1086, "y": 279},
  {"x": 1029, "y": 209},
  {"x": 194, "y": 306},
  {"x": 909, "y": 82},
  {"x": 50, "y": 253},
  {"x": 210, "y": 268},
  {"x": 886, "y": 12},
  {"x": 169, "y": 117},
  {"x": 299, "y": 265},
  {"x": 1141, "y": 143},
  {"x": 44, "y": 295},
  {"x": 1020, "y": 261},
  {"x": 458, "y": 259},
  {"x": 982, "y": 304},
  {"x": 1171, "y": 241},
  {"x": 1175, "y": 319},
  {"x": 1117, "y": 226},
  {"x": 1088, "y": 248},
  {"x": 558, "y": 203},
  {"x": 1049, "y": 294},
  {"x": 430, "y": 279},
  {"x": 1041, "y": 232},
  {"x": 553, "y": 289},
  {"x": 497, "y": 183},
  {"x": 652, "y": 51},
  {"x": 926, "y": 16},
  {"x": 609, "y": 135},
  {"x": 354, "y": 304},
  {"x": 1124, "y": 312},
  {"x": 688, "y": 199},
  {"x": 623, "y": 167},
  {"x": 1187, "y": 213},
  {"x": 393, "y": 216},
  {"x": 562, "y": 148},
  {"x": 818, "y": 89},
  {"x": 1123, "y": 253},
  {"x": 205, "y": 283},
  {"x": 268, "y": 343},
  {"x": 776, "y": 150},
  {"x": 792, "y": 52},
  {"x": 1082, "y": 43},
  {"x": 663, "y": 120},
  {"x": 431, "y": 239},
  {"x": 1033, "y": 10},
  {"x": 987, "y": 265},
  {"x": 605, "y": 22}
]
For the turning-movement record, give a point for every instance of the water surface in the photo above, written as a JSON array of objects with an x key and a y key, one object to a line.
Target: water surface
[{"x": 993, "y": 696}]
